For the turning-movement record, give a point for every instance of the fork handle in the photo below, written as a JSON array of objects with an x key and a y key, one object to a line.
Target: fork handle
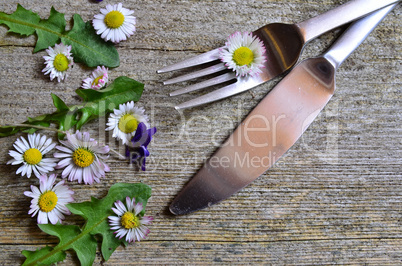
[
  {"x": 353, "y": 36},
  {"x": 352, "y": 10}
]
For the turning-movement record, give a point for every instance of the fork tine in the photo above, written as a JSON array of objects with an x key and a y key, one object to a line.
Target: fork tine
[
  {"x": 229, "y": 90},
  {"x": 194, "y": 61},
  {"x": 207, "y": 83},
  {"x": 196, "y": 74}
]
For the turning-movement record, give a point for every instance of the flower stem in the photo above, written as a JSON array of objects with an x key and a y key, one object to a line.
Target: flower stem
[{"x": 37, "y": 127}]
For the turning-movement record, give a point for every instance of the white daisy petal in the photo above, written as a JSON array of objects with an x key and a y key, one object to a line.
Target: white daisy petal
[
  {"x": 114, "y": 219},
  {"x": 127, "y": 223},
  {"x": 36, "y": 172},
  {"x": 30, "y": 154},
  {"x": 58, "y": 62},
  {"x": 97, "y": 80},
  {"x": 117, "y": 211},
  {"x": 130, "y": 203},
  {"x": 147, "y": 219},
  {"x": 244, "y": 54},
  {"x": 138, "y": 208},
  {"x": 111, "y": 22},
  {"x": 71, "y": 175},
  {"x": 42, "y": 218},
  {"x": 120, "y": 205},
  {"x": 63, "y": 163},
  {"x": 49, "y": 202},
  {"x": 48, "y": 146},
  {"x": 53, "y": 218},
  {"x": 78, "y": 175},
  {"x": 81, "y": 158},
  {"x": 19, "y": 148},
  {"x": 124, "y": 121},
  {"x": 16, "y": 155},
  {"x": 14, "y": 162}
]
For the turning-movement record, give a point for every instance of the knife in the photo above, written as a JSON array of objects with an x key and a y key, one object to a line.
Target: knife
[{"x": 274, "y": 125}]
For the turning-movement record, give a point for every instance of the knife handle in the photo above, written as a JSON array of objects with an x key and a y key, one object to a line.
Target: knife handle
[
  {"x": 350, "y": 11},
  {"x": 354, "y": 36}
]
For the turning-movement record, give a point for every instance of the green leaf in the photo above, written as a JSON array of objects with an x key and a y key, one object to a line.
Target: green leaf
[
  {"x": 82, "y": 241},
  {"x": 34, "y": 256},
  {"x": 87, "y": 46},
  {"x": 21, "y": 21},
  {"x": 97, "y": 219},
  {"x": 71, "y": 237},
  {"x": 123, "y": 89},
  {"x": 48, "y": 29},
  {"x": 59, "y": 104},
  {"x": 10, "y": 130},
  {"x": 96, "y": 103}
]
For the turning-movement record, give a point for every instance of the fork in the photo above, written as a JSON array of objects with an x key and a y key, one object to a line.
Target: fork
[{"x": 283, "y": 44}]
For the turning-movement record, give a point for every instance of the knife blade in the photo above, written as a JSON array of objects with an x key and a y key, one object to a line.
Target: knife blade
[{"x": 274, "y": 125}]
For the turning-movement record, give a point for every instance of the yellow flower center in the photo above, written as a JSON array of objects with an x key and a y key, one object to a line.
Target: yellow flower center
[
  {"x": 83, "y": 157},
  {"x": 32, "y": 156},
  {"x": 96, "y": 81},
  {"x": 114, "y": 19},
  {"x": 47, "y": 201},
  {"x": 129, "y": 220},
  {"x": 60, "y": 62},
  {"x": 128, "y": 123},
  {"x": 243, "y": 56}
]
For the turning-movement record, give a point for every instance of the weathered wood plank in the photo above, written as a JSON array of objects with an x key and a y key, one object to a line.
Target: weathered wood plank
[
  {"x": 334, "y": 198},
  {"x": 325, "y": 252}
]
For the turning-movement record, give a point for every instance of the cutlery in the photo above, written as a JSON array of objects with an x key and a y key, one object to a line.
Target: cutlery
[
  {"x": 284, "y": 44},
  {"x": 274, "y": 125}
]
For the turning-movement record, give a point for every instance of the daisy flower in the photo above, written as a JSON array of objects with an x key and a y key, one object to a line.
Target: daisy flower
[
  {"x": 138, "y": 148},
  {"x": 114, "y": 23},
  {"x": 128, "y": 221},
  {"x": 30, "y": 154},
  {"x": 50, "y": 201},
  {"x": 82, "y": 158},
  {"x": 58, "y": 61},
  {"x": 244, "y": 53},
  {"x": 125, "y": 120},
  {"x": 97, "y": 80}
]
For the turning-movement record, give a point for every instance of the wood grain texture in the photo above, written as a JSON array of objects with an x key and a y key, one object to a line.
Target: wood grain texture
[{"x": 334, "y": 198}]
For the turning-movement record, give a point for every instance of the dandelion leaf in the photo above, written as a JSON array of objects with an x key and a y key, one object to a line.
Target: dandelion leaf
[
  {"x": 82, "y": 240},
  {"x": 96, "y": 217},
  {"x": 22, "y": 21},
  {"x": 95, "y": 104},
  {"x": 87, "y": 47},
  {"x": 42, "y": 257},
  {"x": 47, "y": 28},
  {"x": 123, "y": 89}
]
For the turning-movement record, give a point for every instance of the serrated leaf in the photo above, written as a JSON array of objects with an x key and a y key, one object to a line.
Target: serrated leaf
[
  {"x": 96, "y": 103},
  {"x": 71, "y": 237},
  {"x": 48, "y": 28},
  {"x": 21, "y": 21},
  {"x": 95, "y": 212},
  {"x": 122, "y": 90},
  {"x": 87, "y": 47},
  {"x": 33, "y": 256}
]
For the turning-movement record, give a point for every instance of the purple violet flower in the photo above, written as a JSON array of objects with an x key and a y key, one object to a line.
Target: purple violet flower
[{"x": 138, "y": 147}]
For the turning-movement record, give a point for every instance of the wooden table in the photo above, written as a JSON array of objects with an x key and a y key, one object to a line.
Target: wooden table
[{"x": 334, "y": 198}]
